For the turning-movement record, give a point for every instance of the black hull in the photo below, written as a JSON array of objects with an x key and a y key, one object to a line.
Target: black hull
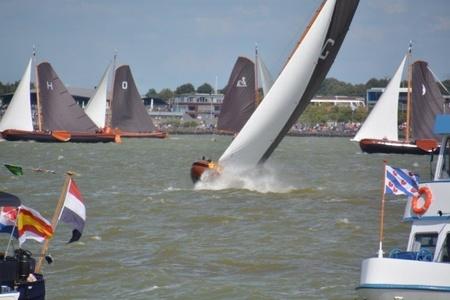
[
  {"x": 32, "y": 290},
  {"x": 48, "y": 137},
  {"x": 393, "y": 147}
]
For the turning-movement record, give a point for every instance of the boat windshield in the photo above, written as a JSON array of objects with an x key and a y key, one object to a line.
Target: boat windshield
[
  {"x": 425, "y": 241},
  {"x": 446, "y": 249},
  {"x": 443, "y": 165}
]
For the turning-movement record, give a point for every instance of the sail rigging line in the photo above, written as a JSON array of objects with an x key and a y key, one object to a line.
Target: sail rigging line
[
  {"x": 409, "y": 100},
  {"x": 257, "y": 97},
  {"x": 38, "y": 97}
]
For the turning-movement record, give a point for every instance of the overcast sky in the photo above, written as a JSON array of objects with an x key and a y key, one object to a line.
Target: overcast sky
[{"x": 171, "y": 42}]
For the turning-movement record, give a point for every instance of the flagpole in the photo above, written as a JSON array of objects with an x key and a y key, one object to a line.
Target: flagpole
[
  {"x": 380, "y": 250},
  {"x": 11, "y": 235},
  {"x": 55, "y": 218}
]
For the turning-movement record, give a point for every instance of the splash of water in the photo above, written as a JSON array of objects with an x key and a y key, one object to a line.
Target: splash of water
[{"x": 263, "y": 180}]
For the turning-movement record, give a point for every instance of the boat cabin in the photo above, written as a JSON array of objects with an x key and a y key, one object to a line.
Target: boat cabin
[{"x": 429, "y": 239}]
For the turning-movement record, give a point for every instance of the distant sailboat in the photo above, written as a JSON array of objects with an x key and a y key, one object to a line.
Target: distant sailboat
[
  {"x": 241, "y": 94},
  {"x": 129, "y": 115},
  {"x": 60, "y": 118},
  {"x": 263, "y": 76},
  {"x": 379, "y": 133},
  {"x": 290, "y": 93},
  {"x": 18, "y": 114},
  {"x": 96, "y": 107},
  {"x": 240, "y": 97}
]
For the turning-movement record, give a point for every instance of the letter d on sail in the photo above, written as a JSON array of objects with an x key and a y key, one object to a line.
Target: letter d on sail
[
  {"x": 49, "y": 85},
  {"x": 124, "y": 85}
]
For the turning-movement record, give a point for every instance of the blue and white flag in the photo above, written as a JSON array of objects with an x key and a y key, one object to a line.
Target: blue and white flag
[{"x": 400, "y": 182}]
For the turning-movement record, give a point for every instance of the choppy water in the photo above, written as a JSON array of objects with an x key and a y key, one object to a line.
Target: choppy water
[{"x": 298, "y": 231}]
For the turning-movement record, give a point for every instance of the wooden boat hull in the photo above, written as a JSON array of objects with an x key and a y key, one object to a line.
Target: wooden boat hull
[
  {"x": 56, "y": 137},
  {"x": 394, "y": 147},
  {"x": 153, "y": 134},
  {"x": 203, "y": 166}
]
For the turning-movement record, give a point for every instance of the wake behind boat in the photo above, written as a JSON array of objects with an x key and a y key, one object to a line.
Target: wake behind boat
[
  {"x": 290, "y": 93},
  {"x": 421, "y": 271}
]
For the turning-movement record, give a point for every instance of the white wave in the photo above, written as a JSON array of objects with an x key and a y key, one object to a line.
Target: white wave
[{"x": 262, "y": 180}]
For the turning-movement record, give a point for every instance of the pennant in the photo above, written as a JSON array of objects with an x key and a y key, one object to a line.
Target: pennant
[
  {"x": 16, "y": 170},
  {"x": 73, "y": 212}
]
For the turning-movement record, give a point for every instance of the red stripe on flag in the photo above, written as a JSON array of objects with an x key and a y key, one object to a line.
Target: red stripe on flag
[
  {"x": 73, "y": 189},
  {"x": 35, "y": 218}
]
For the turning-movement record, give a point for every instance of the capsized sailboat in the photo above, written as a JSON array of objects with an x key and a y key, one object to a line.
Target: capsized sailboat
[
  {"x": 421, "y": 270},
  {"x": 379, "y": 133},
  {"x": 60, "y": 118},
  {"x": 129, "y": 116},
  {"x": 290, "y": 93}
]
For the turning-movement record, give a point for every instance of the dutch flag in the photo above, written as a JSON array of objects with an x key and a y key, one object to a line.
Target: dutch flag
[{"x": 73, "y": 212}]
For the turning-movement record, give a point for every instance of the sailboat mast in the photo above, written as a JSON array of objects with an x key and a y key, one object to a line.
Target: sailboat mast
[
  {"x": 109, "y": 114},
  {"x": 408, "y": 101},
  {"x": 38, "y": 98},
  {"x": 257, "y": 98}
]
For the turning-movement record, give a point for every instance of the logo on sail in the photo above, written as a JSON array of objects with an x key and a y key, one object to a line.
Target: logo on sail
[
  {"x": 241, "y": 82},
  {"x": 124, "y": 85},
  {"x": 424, "y": 90},
  {"x": 325, "y": 53}
]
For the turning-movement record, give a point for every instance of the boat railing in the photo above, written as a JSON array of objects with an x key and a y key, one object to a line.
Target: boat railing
[{"x": 421, "y": 255}]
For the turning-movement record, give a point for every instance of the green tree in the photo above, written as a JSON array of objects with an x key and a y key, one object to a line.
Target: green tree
[
  {"x": 186, "y": 88},
  {"x": 205, "y": 88},
  {"x": 166, "y": 94},
  {"x": 151, "y": 93},
  {"x": 8, "y": 87}
]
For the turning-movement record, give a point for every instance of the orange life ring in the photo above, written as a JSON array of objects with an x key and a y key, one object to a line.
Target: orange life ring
[{"x": 420, "y": 210}]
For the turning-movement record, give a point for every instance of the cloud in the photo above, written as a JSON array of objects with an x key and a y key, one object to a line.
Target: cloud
[
  {"x": 442, "y": 24},
  {"x": 392, "y": 6}
]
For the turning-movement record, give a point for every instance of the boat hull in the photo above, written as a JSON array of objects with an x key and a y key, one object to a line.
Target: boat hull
[
  {"x": 49, "y": 137},
  {"x": 153, "y": 134},
  {"x": 394, "y": 147},
  {"x": 368, "y": 293},
  {"x": 202, "y": 168},
  {"x": 389, "y": 278}
]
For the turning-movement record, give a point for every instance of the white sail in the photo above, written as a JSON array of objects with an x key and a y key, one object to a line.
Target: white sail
[
  {"x": 18, "y": 114},
  {"x": 273, "y": 113},
  {"x": 96, "y": 107},
  {"x": 382, "y": 122},
  {"x": 264, "y": 75}
]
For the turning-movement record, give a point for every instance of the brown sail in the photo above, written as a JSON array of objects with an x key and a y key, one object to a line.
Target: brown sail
[
  {"x": 59, "y": 109},
  {"x": 128, "y": 110},
  {"x": 239, "y": 101},
  {"x": 427, "y": 102}
]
